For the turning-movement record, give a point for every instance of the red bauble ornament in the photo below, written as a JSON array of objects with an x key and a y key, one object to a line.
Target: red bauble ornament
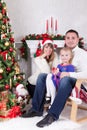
[
  {"x": 3, "y": 11},
  {"x": 8, "y": 69},
  {"x": 1, "y": 76},
  {"x": 11, "y": 49},
  {"x": 4, "y": 20},
  {"x": 7, "y": 86},
  {"x": 11, "y": 39},
  {"x": 13, "y": 59}
]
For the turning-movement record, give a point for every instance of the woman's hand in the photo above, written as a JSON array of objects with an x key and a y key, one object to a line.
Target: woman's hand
[
  {"x": 45, "y": 55},
  {"x": 63, "y": 74}
]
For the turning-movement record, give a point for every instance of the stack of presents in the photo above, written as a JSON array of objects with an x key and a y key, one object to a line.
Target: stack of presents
[
  {"x": 8, "y": 106},
  {"x": 11, "y": 105}
]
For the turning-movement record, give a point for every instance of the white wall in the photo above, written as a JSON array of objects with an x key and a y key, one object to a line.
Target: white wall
[{"x": 29, "y": 16}]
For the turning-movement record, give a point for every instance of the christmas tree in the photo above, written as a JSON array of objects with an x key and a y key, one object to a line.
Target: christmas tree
[
  {"x": 10, "y": 75},
  {"x": 9, "y": 69}
]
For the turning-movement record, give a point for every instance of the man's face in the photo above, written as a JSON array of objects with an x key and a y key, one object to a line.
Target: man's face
[{"x": 71, "y": 40}]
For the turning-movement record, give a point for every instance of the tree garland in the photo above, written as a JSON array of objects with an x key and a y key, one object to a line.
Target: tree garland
[{"x": 24, "y": 49}]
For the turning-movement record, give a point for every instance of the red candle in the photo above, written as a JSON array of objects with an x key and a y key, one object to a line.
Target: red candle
[
  {"x": 56, "y": 25},
  {"x": 51, "y": 22},
  {"x": 47, "y": 26}
]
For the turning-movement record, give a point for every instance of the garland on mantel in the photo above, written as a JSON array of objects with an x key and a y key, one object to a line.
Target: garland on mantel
[{"x": 24, "y": 48}]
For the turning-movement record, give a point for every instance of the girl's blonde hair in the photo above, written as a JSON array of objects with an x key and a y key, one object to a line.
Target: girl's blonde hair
[
  {"x": 51, "y": 57},
  {"x": 71, "y": 53}
]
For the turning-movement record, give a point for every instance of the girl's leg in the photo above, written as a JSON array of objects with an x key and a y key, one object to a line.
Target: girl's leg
[{"x": 51, "y": 90}]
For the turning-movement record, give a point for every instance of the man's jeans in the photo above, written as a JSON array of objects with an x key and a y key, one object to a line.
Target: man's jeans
[{"x": 64, "y": 90}]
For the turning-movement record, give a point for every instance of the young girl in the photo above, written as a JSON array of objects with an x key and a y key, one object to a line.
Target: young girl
[{"x": 54, "y": 78}]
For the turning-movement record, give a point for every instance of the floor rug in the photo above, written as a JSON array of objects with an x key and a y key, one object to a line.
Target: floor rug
[{"x": 30, "y": 124}]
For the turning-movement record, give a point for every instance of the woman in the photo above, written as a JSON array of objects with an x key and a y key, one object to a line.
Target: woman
[{"x": 44, "y": 64}]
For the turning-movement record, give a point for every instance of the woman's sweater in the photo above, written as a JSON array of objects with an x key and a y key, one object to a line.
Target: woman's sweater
[{"x": 42, "y": 66}]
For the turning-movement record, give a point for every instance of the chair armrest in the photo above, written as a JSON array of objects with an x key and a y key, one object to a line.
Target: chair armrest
[{"x": 79, "y": 81}]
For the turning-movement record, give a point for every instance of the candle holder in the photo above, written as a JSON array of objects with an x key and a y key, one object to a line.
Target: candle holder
[{"x": 51, "y": 26}]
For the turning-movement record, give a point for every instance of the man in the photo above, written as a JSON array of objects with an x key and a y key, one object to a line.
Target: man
[{"x": 67, "y": 83}]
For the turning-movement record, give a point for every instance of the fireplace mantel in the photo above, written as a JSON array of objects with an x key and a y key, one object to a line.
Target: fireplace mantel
[{"x": 32, "y": 44}]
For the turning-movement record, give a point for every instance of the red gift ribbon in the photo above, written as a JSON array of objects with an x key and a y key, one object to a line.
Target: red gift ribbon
[{"x": 14, "y": 112}]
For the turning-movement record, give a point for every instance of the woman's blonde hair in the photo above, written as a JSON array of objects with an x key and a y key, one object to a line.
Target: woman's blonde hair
[
  {"x": 51, "y": 57},
  {"x": 71, "y": 53}
]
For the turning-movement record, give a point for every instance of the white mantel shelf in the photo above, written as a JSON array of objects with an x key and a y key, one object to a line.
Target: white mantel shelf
[{"x": 32, "y": 44}]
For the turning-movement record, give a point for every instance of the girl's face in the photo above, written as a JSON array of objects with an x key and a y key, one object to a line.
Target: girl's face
[
  {"x": 48, "y": 50},
  {"x": 65, "y": 56},
  {"x": 71, "y": 40}
]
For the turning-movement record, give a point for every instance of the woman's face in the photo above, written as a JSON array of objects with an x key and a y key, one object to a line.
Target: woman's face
[
  {"x": 71, "y": 40},
  {"x": 48, "y": 50}
]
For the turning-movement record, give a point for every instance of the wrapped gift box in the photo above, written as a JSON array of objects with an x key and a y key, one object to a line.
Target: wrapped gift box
[
  {"x": 3, "y": 115},
  {"x": 4, "y": 95}
]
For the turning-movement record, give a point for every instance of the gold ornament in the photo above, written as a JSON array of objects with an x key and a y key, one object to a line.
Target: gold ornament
[
  {"x": 17, "y": 68},
  {"x": 3, "y": 27},
  {"x": 10, "y": 83},
  {"x": 20, "y": 78},
  {"x": 6, "y": 43},
  {"x": 0, "y": 15},
  {"x": 1, "y": 70},
  {"x": 5, "y": 8}
]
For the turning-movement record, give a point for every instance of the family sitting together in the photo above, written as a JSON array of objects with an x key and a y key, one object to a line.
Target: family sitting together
[{"x": 55, "y": 78}]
